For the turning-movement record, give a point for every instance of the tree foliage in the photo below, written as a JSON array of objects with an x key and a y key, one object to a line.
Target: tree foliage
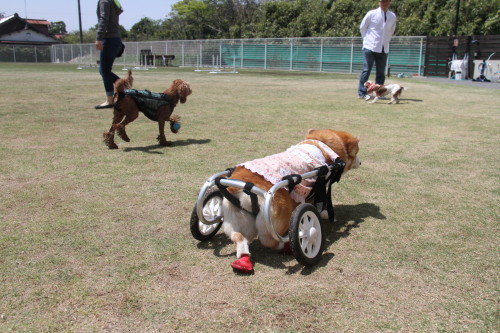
[
  {"x": 216, "y": 19},
  {"x": 57, "y": 28},
  {"x": 144, "y": 30}
]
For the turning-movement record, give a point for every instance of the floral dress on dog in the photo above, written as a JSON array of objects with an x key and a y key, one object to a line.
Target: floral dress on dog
[{"x": 298, "y": 159}]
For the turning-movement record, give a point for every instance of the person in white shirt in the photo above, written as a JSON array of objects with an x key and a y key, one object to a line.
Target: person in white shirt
[{"x": 377, "y": 28}]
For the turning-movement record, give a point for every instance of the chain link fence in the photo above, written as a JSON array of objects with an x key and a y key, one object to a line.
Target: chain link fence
[
  {"x": 325, "y": 54},
  {"x": 25, "y": 53}
]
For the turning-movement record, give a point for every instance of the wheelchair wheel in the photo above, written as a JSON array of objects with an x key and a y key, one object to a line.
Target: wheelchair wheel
[
  {"x": 306, "y": 234},
  {"x": 212, "y": 207}
]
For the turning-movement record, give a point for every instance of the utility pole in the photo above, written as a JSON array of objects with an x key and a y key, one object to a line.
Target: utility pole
[
  {"x": 80, "y": 22},
  {"x": 457, "y": 10}
]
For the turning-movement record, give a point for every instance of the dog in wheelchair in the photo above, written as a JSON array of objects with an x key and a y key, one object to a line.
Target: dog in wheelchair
[
  {"x": 320, "y": 147},
  {"x": 156, "y": 106}
]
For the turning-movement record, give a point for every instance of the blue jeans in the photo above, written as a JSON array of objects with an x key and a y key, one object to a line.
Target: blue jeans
[
  {"x": 380, "y": 60},
  {"x": 111, "y": 48}
]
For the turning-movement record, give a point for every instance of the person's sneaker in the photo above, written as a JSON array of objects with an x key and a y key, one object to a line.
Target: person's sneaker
[{"x": 365, "y": 97}]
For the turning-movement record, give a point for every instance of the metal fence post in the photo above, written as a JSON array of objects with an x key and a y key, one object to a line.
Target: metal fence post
[
  {"x": 352, "y": 56},
  {"x": 265, "y": 54},
  {"x": 420, "y": 58},
  {"x": 321, "y": 57}
]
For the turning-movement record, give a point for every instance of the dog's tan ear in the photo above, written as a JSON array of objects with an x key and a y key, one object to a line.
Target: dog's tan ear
[
  {"x": 311, "y": 130},
  {"x": 183, "y": 89},
  {"x": 352, "y": 146}
]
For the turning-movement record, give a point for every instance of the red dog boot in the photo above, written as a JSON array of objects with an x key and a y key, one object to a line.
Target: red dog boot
[
  {"x": 287, "y": 250},
  {"x": 243, "y": 265}
]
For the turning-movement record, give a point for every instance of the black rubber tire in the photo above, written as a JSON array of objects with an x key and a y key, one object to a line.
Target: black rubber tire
[
  {"x": 306, "y": 244},
  {"x": 196, "y": 224}
]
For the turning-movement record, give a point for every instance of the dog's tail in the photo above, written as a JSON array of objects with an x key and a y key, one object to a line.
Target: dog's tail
[{"x": 124, "y": 83}]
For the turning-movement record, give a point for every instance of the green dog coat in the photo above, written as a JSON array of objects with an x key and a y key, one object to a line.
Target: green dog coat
[{"x": 149, "y": 103}]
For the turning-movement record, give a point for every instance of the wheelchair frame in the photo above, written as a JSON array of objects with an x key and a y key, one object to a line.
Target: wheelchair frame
[{"x": 204, "y": 225}]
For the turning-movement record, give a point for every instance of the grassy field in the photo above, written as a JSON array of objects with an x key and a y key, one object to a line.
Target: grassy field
[{"x": 98, "y": 240}]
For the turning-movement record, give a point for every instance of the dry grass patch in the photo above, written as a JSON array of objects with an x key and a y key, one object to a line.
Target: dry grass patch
[{"x": 98, "y": 240}]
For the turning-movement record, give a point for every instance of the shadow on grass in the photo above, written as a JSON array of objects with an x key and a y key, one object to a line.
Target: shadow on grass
[
  {"x": 188, "y": 142},
  {"x": 401, "y": 101},
  {"x": 347, "y": 218},
  {"x": 411, "y": 100},
  {"x": 217, "y": 243},
  {"x": 152, "y": 149}
]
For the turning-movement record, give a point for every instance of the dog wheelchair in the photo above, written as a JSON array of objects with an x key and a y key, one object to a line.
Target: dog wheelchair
[{"x": 305, "y": 233}]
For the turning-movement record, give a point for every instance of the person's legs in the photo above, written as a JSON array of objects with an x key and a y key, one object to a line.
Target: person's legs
[
  {"x": 111, "y": 47},
  {"x": 380, "y": 63},
  {"x": 368, "y": 60}
]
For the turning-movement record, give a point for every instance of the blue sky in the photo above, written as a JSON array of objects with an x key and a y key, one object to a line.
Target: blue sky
[{"x": 67, "y": 11}]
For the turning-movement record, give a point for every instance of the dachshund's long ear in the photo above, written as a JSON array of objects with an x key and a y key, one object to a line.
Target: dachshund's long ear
[{"x": 183, "y": 90}]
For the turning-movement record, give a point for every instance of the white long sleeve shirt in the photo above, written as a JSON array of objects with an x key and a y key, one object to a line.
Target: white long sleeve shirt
[{"x": 376, "y": 31}]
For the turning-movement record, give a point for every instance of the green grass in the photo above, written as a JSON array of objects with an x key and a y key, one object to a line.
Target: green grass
[{"x": 96, "y": 240}]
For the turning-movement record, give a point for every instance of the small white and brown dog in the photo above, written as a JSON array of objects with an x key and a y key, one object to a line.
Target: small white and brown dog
[{"x": 380, "y": 90}]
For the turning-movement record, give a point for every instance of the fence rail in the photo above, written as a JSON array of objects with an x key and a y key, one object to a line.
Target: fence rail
[
  {"x": 25, "y": 53},
  {"x": 325, "y": 54}
]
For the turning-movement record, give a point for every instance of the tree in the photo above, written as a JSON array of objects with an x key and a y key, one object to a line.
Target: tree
[
  {"x": 57, "y": 28},
  {"x": 478, "y": 17},
  {"x": 200, "y": 19},
  {"x": 88, "y": 35},
  {"x": 276, "y": 17},
  {"x": 74, "y": 37},
  {"x": 210, "y": 19},
  {"x": 145, "y": 29},
  {"x": 437, "y": 17},
  {"x": 346, "y": 16}
]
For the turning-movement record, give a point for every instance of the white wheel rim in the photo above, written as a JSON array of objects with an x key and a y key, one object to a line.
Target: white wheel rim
[
  {"x": 309, "y": 234},
  {"x": 211, "y": 210}
]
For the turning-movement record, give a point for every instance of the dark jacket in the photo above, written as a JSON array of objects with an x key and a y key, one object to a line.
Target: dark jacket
[{"x": 108, "y": 19}]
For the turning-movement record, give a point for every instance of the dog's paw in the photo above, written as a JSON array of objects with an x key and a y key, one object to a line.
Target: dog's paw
[
  {"x": 163, "y": 142},
  {"x": 122, "y": 134},
  {"x": 243, "y": 265},
  {"x": 108, "y": 140},
  {"x": 286, "y": 250}
]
